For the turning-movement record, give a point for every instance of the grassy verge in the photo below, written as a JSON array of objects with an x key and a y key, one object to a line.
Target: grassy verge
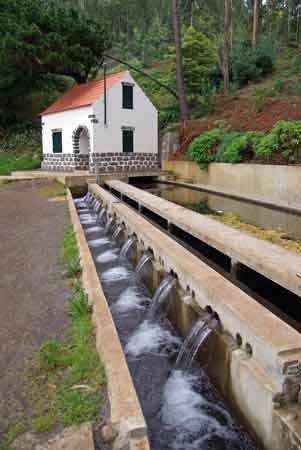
[
  {"x": 52, "y": 189},
  {"x": 11, "y": 161},
  {"x": 67, "y": 378}
]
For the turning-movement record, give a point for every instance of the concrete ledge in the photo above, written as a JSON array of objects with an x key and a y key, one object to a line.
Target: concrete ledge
[
  {"x": 274, "y": 262},
  {"x": 126, "y": 414},
  {"x": 294, "y": 208}
]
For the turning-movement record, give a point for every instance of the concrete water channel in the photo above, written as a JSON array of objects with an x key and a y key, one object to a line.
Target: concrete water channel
[{"x": 252, "y": 357}]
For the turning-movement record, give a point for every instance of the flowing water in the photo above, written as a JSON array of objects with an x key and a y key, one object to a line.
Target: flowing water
[
  {"x": 127, "y": 247},
  {"x": 182, "y": 409},
  {"x": 213, "y": 204}
]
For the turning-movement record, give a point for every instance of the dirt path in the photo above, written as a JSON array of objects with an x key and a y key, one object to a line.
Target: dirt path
[{"x": 33, "y": 293}]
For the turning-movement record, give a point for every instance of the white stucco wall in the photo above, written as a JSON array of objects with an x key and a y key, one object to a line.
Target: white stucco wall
[
  {"x": 67, "y": 121},
  {"x": 143, "y": 118},
  {"x": 107, "y": 139}
]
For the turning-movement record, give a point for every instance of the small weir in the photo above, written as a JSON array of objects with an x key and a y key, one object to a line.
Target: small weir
[{"x": 182, "y": 408}]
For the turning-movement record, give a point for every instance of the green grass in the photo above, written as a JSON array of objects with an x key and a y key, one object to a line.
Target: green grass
[
  {"x": 13, "y": 432},
  {"x": 66, "y": 376},
  {"x": 10, "y": 162},
  {"x": 52, "y": 189},
  {"x": 43, "y": 424},
  {"x": 69, "y": 254}
]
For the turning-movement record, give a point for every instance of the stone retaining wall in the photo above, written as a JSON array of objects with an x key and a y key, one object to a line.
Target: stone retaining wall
[
  {"x": 67, "y": 162},
  {"x": 123, "y": 162},
  {"x": 100, "y": 162}
]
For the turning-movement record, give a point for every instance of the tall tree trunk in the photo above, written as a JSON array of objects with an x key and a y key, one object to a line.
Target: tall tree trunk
[
  {"x": 270, "y": 20},
  {"x": 179, "y": 62},
  {"x": 289, "y": 19},
  {"x": 255, "y": 23},
  {"x": 190, "y": 12},
  {"x": 227, "y": 43}
]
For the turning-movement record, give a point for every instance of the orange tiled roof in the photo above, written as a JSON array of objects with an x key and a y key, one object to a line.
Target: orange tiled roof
[{"x": 83, "y": 94}]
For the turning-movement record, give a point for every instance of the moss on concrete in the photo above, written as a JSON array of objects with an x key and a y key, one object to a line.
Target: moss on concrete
[{"x": 275, "y": 236}]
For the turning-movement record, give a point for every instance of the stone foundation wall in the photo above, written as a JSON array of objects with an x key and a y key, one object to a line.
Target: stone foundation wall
[
  {"x": 100, "y": 162},
  {"x": 123, "y": 162},
  {"x": 67, "y": 162}
]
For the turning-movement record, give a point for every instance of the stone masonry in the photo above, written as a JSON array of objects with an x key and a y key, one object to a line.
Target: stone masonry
[
  {"x": 123, "y": 162},
  {"x": 67, "y": 162},
  {"x": 100, "y": 162}
]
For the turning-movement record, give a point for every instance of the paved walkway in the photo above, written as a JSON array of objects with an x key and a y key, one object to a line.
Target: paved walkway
[{"x": 33, "y": 293}]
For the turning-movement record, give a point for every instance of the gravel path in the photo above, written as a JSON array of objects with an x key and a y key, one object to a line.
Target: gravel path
[{"x": 33, "y": 293}]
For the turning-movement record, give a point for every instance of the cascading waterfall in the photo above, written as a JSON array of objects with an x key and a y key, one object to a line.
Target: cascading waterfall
[
  {"x": 199, "y": 333},
  {"x": 117, "y": 232},
  {"x": 101, "y": 216},
  {"x": 161, "y": 297},
  {"x": 109, "y": 225},
  {"x": 127, "y": 246},
  {"x": 145, "y": 258},
  {"x": 181, "y": 407}
]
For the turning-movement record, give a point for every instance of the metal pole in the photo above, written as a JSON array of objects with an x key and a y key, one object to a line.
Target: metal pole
[{"x": 105, "y": 92}]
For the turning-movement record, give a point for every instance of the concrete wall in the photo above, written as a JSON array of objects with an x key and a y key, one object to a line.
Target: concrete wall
[{"x": 269, "y": 182}]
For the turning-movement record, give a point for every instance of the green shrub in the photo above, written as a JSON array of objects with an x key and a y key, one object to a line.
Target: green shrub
[
  {"x": 296, "y": 64},
  {"x": 284, "y": 140},
  {"x": 240, "y": 146},
  {"x": 248, "y": 64},
  {"x": 279, "y": 86},
  {"x": 226, "y": 141},
  {"x": 203, "y": 148},
  {"x": 295, "y": 88},
  {"x": 260, "y": 96}
]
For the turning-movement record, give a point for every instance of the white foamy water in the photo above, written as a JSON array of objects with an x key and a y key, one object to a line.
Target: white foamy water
[
  {"x": 186, "y": 411},
  {"x": 116, "y": 274},
  {"x": 93, "y": 230},
  {"x": 149, "y": 337},
  {"x": 108, "y": 256},
  {"x": 130, "y": 299},
  {"x": 87, "y": 220},
  {"x": 98, "y": 242}
]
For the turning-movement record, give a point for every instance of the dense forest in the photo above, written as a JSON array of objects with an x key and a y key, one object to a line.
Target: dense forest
[{"x": 196, "y": 49}]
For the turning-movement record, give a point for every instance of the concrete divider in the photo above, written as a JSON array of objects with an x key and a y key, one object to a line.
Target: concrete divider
[
  {"x": 125, "y": 410},
  {"x": 262, "y": 369},
  {"x": 272, "y": 261}
]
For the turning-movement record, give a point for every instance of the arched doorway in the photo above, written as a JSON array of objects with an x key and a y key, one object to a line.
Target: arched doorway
[{"x": 81, "y": 140}]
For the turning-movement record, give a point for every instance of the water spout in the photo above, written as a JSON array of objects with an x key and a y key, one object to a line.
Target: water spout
[
  {"x": 199, "y": 333},
  {"x": 127, "y": 246},
  {"x": 109, "y": 225},
  {"x": 117, "y": 232},
  {"x": 145, "y": 258},
  {"x": 160, "y": 301},
  {"x": 102, "y": 214}
]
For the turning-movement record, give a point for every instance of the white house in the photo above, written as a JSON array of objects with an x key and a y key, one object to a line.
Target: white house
[{"x": 112, "y": 128}]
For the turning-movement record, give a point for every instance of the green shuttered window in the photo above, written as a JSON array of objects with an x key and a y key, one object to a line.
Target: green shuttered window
[
  {"x": 57, "y": 142},
  {"x": 127, "y": 96},
  {"x": 128, "y": 140}
]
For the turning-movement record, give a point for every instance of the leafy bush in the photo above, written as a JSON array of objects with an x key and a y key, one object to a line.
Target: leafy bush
[
  {"x": 284, "y": 140},
  {"x": 203, "y": 148},
  {"x": 279, "y": 86},
  {"x": 296, "y": 64},
  {"x": 295, "y": 88},
  {"x": 260, "y": 96},
  {"x": 248, "y": 64},
  {"x": 240, "y": 146},
  {"x": 226, "y": 141}
]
